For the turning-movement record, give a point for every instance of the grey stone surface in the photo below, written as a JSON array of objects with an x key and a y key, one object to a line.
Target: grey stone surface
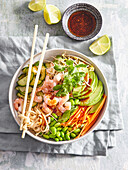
[{"x": 17, "y": 20}]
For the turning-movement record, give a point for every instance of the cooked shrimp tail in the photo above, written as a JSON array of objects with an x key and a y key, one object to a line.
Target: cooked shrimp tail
[{"x": 18, "y": 104}]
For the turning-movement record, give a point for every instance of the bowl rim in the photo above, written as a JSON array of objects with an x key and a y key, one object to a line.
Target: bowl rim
[
  {"x": 93, "y": 127},
  {"x": 83, "y": 5}
]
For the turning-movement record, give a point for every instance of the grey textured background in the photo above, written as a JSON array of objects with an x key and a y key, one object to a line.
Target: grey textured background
[{"x": 17, "y": 20}]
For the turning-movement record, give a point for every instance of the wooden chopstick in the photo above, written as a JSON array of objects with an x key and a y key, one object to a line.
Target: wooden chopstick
[
  {"x": 29, "y": 74},
  {"x": 36, "y": 81}
]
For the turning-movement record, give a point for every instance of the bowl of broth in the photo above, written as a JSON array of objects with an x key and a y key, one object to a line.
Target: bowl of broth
[{"x": 81, "y": 21}]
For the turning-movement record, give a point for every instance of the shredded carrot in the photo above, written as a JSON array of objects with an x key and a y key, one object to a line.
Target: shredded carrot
[
  {"x": 91, "y": 119},
  {"x": 82, "y": 130},
  {"x": 86, "y": 77},
  {"x": 89, "y": 126},
  {"x": 72, "y": 117},
  {"x": 85, "y": 113}
]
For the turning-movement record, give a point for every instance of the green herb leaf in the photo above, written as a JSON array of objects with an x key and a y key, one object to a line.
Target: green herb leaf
[
  {"x": 59, "y": 68},
  {"x": 69, "y": 62},
  {"x": 81, "y": 65},
  {"x": 72, "y": 77},
  {"x": 70, "y": 69},
  {"x": 57, "y": 87},
  {"x": 59, "y": 93}
]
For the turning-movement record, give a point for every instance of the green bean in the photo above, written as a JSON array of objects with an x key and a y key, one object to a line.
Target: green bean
[
  {"x": 52, "y": 136},
  {"x": 54, "y": 115},
  {"x": 53, "y": 130},
  {"x": 67, "y": 136},
  {"x": 53, "y": 123},
  {"x": 73, "y": 135},
  {"x": 56, "y": 139},
  {"x": 57, "y": 124},
  {"x": 48, "y": 133},
  {"x": 64, "y": 129},
  {"x": 46, "y": 136},
  {"x": 51, "y": 119},
  {"x": 67, "y": 131},
  {"x": 76, "y": 130},
  {"x": 64, "y": 138},
  {"x": 59, "y": 129},
  {"x": 58, "y": 134},
  {"x": 60, "y": 138},
  {"x": 62, "y": 134}
]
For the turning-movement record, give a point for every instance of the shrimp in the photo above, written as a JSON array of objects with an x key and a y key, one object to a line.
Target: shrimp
[
  {"x": 18, "y": 104},
  {"x": 66, "y": 106},
  {"x": 58, "y": 77},
  {"x": 63, "y": 104},
  {"x": 54, "y": 93},
  {"x": 37, "y": 99},
  {"x": 48, "y": 85},
  {"x": 46, "y": 109},
  {"x": 49, "y": 101},
  {"x": 64, "y": 99}
]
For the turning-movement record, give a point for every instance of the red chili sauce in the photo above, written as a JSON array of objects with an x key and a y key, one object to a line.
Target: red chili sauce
[{"x": 81, "y": 23}]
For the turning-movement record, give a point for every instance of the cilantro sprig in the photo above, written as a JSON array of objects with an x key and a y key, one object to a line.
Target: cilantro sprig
[{"x": 72, "y": 78}]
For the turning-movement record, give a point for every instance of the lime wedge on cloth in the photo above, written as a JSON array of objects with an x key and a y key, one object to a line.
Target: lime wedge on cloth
[
  {"x": 37, "y": 5},
  {"x": 101, "y": 45},
  {"x": 52, "y": 14}
]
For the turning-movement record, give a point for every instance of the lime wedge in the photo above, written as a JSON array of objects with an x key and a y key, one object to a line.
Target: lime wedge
[
  {"x": 101, "y": 45},
  {"x": 37, "y": 5},
  {"x": 52, "y": 14}
]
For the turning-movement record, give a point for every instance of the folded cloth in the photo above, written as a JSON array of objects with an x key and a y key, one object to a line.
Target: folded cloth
[{"x": 13, "y": 52}]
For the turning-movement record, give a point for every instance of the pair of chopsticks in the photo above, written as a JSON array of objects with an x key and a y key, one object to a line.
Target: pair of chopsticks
[{"x": 24, "y": 128}]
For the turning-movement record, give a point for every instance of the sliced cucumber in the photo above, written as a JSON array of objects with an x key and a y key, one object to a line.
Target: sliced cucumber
[
  {"x": 39, "y": 85},
  {"x": 36, "y": 63},
  {"x": 22, "y": 82},
  {"x": 20, "y": 95},
  {"x": 25, "y": 70},
  {"x": 21, "y": 76},
  {"x": 33, "y": 82},
  {"x": 22, "y": 89},
  {"x": 34, "y": 70},
  {"x": 42, "y": 73}
]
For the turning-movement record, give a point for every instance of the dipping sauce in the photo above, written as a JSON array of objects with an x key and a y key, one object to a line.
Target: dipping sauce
[{"x": 81, "y": 23}]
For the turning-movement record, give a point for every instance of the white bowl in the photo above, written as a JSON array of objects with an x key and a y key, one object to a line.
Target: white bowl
[{"x": 48, "y": 54}]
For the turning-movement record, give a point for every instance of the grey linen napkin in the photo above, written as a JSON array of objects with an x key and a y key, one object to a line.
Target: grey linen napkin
[{"x": 13, "y": 52}]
